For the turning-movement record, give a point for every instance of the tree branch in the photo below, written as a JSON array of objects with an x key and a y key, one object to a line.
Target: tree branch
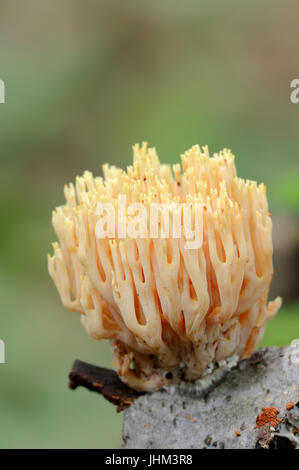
[{"x": 103, "y": 381}]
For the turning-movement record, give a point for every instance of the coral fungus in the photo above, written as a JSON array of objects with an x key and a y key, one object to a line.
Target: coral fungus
[{"x": 170, "y": 312}]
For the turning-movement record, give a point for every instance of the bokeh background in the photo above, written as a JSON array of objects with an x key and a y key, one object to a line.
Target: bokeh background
[{"x": 84, "y": 81}]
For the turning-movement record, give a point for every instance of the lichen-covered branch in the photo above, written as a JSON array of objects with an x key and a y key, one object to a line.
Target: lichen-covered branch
[{"x": 251, "y": 406}]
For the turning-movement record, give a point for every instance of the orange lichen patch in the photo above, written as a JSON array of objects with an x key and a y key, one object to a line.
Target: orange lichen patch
[
  {"x": 290, "y": 405},
  {"x": 170, "y": 312},
  {"x": 191, "y": 418},
  {"x": 237, "y": 433},
  {"x": 268, "y": 417}
]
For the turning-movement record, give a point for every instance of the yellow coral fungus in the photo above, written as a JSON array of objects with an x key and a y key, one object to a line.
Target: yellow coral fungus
[{"x": 169, "y": 311}]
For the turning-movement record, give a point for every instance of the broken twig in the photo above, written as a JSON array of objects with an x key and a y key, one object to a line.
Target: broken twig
[{"x": 104, "y": 381}]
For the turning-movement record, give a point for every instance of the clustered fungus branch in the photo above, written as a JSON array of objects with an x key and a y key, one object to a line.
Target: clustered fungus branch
[{"x": 169, "y": 312}]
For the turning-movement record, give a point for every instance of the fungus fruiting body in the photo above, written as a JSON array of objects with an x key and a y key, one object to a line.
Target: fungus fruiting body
[{"x": 170, "y": 312}]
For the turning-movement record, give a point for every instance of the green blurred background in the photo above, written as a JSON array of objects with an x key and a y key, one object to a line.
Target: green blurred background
[{"x": 84, "y": 81}]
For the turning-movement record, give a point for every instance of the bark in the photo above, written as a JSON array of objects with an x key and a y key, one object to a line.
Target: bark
[{"x": 221, "y": 410}]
